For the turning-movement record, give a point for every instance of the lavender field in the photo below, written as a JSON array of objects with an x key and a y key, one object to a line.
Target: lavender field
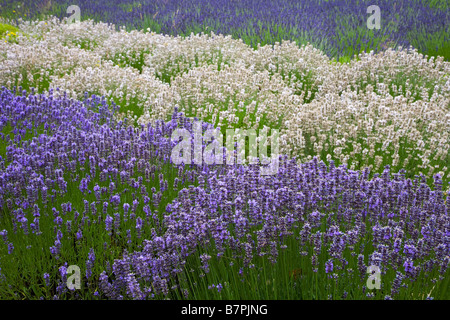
[{"x": 92, "y": 180}]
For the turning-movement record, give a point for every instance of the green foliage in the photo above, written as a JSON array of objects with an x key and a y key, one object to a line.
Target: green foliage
[{"x": 8, "y": 32}]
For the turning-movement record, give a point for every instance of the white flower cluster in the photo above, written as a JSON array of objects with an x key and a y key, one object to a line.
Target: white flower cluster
[{"x": 387, "y": 108}]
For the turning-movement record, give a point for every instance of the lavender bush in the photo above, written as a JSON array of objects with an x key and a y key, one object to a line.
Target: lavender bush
[
  {"x": 333, "y": 222},
  {"x": 75, "y": 183},
  {"x": 79, "y": 188}
]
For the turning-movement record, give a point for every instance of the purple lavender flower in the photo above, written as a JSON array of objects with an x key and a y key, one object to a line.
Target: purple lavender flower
[
  {"x": 115, "y": 200},
  {"x": 4, "y": 235},
  {"x": 83, "y": 185},
  {"x": 409, "y": 268},
  {"x": 117, "y": 222},
  {"x": 88, "y": 268},
  {"x": 59, "y": 235},
  {"x": 329, "y": 266},
  {"x": 47, "y": 279},
  {"x": 97, "y": 192},
  {"x": 112, "y": 187},
  {"x": 63, "y": 273},
  {"x": 126, "y": 207},
  {"x": 24, "y": 222},
  {"x": 91, "y": 255},
  {"x": 36, "y": 210},
  {"x": 204, "y": 258},
  {"x": 410, "y": 251},
  {"x": 105, "y": 208},
  {"x": 108, "y": 224},
  {"x": 94, "y": 208},
  {"x": 139, "y": 227},
  {"x": 135, "y": 205},
  {"x": 397, "y": 283},
  {"x": 10, "y": 248},
  {"x": 129, "y": 236},
  {"x": 133, "y": 287}
]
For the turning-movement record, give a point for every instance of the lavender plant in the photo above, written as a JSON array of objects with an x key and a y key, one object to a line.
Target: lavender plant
[
  {"x": 76, "y": 186},
  {"x": 80, "y": 188},
  {"x": 337, "y": 27}
]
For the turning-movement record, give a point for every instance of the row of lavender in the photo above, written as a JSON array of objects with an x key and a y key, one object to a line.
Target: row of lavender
[
  {"x": 79, "y": 188},
  {"x": 57, "y": 152},
  {"x": 337, "y": 27}
]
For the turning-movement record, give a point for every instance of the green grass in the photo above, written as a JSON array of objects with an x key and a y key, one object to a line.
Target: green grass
[{"x": 6, "y": 28}]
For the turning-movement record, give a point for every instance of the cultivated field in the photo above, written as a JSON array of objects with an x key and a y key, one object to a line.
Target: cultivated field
[{"x": 359, "y": 126}]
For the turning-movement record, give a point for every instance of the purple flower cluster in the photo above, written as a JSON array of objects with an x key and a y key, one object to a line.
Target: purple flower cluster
[
  {"x": 233, "y": 210},
  {"x": 238, "y": 209},
  {"x": 68, "y": 139}
]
